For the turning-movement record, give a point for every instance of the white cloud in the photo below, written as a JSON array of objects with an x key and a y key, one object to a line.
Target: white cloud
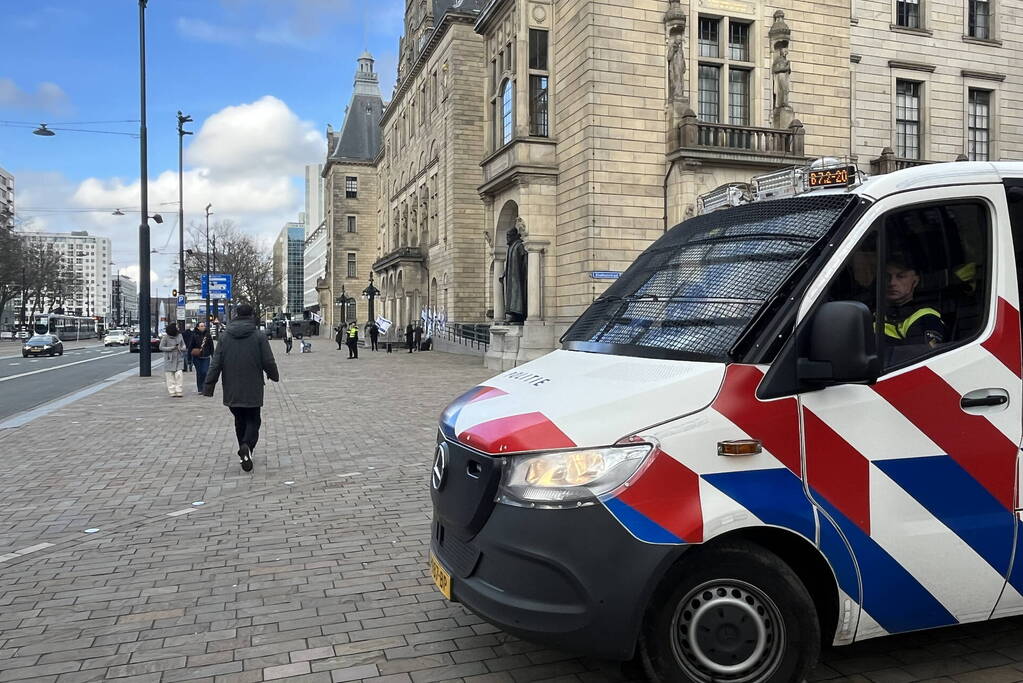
[
  {"x": 133, "y": 271},
  {"x": 247, "y": 160},
  {"x": 259, "y": 136},
  {"x": 48, "y": 97}
]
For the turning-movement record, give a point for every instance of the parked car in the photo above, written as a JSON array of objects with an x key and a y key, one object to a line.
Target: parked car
[
  {"x": 43, "y": 345},
  {"x": 115, "y": 337},
  {"x": 133, "y": 343}
]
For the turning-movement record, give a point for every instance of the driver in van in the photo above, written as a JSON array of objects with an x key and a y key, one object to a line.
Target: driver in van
[{"x": 908, "y": 323}]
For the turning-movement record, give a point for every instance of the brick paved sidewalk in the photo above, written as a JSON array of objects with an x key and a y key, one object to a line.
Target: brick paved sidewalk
[{"x": 312, "y": 568}]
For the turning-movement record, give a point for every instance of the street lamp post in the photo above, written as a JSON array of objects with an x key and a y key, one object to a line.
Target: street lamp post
[
  {"x": 371, "y": 293},
  {"x": 145, "y": 324},
  {"x": 182, "y": 120}
]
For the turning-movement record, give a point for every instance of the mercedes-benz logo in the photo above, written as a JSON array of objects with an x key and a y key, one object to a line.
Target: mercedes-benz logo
[{"x": 440, "y": 467}]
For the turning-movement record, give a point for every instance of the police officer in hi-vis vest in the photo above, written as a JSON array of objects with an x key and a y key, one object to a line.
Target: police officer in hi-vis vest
[{"x": 907, "y": 322}]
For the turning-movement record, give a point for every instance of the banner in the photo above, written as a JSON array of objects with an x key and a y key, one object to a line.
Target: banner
[
  {"x": 384, "y": 324},
  {"x": 316, "y": 318}
]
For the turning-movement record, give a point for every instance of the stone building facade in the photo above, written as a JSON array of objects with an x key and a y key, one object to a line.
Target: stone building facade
[
  {"x": 605, "y": 121},
  {"x": 936, "y": 79},
  {"x": 430, "y": 250},
  {"x": 591, "y": 127},
  {"x": 351, "y": 191}
]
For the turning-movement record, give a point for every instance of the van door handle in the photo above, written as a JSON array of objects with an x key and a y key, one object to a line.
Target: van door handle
[{"x": 984, "y": 398}]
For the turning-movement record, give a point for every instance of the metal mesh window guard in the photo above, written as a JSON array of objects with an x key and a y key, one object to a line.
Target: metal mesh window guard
[{"x": 695, "y": 290}]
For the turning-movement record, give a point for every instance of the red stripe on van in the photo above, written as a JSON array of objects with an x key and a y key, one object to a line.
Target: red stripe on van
[
  {"x": 1004, "y": 344},
  {"x": 775, "y": 423},
  {"x": 668, "y": 493},
  {"x": 516, "y": 434},
  {"x": 485, "y": 393},
  {"x": 837, "y": 471},
  {"x": 930, "y": 403}
]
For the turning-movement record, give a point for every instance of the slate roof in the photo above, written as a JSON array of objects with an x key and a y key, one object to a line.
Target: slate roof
[{"x": 360, "y": 137}]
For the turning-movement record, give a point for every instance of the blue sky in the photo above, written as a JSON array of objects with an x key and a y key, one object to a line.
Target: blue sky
[{"x": 261, "y": 78}]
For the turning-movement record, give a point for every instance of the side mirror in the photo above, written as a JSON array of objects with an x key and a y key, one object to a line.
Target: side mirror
[{"x": 841, "y": 348}]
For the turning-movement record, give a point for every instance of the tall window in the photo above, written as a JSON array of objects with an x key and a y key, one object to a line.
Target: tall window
[
  {"x": 907, "y": 13},
  {"x": 738, "y": 41},
  {"x": 725, "y": 76},
  {"x": 351, "y": 224},
  {"x": 539, "y": 121},
  {"x": 351, "y": 187},
  {"x": 351, "y": 265},
  {"x": 979, "y": 125},
  {"x": 738, "y": 97},
  {"x": 710, "y": 93},
  {"x": 907, "y": 119},
  {"x": 538, "y": 49},
  {"x": 709, "y": 40},
  {"x": 980, "y": 19},
  {"x": 507, "y": 102}
]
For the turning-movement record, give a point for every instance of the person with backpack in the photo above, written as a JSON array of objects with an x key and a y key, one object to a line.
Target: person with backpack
[
  {"x": 201, "y": 350},
  {"x": 243, "y": 357}
]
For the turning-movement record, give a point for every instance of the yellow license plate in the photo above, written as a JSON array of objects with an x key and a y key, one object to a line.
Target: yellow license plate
[{"x": 440, "y": 577}]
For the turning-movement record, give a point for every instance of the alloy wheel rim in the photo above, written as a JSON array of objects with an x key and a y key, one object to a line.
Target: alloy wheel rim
[{"x": 727, "y": 631}]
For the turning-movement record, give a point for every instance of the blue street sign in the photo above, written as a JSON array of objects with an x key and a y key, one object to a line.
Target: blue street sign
[
  {"x": 218, "y": 286},
  {"x": 605, "y": 275},
  {"x": 218, "y": 308}
]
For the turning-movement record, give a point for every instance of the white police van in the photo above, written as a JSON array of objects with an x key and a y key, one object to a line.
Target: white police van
[{"x": 792, "y": 421}]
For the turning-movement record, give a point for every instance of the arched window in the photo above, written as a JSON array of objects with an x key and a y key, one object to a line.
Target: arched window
[{"x": 507, "y": 102}]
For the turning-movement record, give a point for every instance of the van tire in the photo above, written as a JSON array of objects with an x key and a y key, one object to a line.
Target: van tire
[{"x": 758, "y": 593}]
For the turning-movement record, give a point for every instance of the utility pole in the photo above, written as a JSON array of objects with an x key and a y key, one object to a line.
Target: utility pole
[
  {"x": 216, "y": 302},
  {"x": 182, "y": 120},
  {"x": 145, "y": 324},
  {"x": 208, "y": 313}
]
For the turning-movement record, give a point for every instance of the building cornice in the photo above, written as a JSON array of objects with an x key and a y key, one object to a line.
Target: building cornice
[
  {"x": 982, "y": 75},
  {"x": 910, "y": 66},
  {"x": 489, "y": 12},
  {"x": 330, "y": 163},
  {"x": 447, "y": 21}
]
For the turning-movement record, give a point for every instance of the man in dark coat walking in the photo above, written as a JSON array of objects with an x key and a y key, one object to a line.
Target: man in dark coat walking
[
  {"x": 186, "y": 334},
  {"x": 410, "y": 336},
  {"x": 374, "y": 334},
  {"x": 243, "y": 356},
  {"x": 418, "y": 332}
]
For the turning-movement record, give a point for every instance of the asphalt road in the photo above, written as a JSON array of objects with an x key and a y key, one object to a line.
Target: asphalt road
[{"x": 28, "y": 382}]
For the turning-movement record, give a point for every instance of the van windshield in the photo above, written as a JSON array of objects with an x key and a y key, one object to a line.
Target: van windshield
[{"x": 694, "y": 291}]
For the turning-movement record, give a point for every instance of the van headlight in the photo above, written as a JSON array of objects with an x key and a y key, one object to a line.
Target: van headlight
[{"x": 570, "y": 478}]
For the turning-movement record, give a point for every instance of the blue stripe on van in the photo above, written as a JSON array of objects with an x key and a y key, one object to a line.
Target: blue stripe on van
[
  {"x": 775, "y": 496},
  {"x": 896, "y": 600},
  {"x": 641, "y": 526},
  {"x": 958, "y": 500}
]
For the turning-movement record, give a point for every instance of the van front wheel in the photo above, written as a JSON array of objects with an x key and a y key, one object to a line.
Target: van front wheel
[{"x": 733, "y": 614}]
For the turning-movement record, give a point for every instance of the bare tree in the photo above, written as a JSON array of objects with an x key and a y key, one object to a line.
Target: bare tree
[{"x": 237, "y": 253}]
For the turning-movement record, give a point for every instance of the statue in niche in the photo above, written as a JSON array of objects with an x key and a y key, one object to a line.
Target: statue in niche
[
  {"x": 782, "y": 70},
  {"x": 676, "y": 68},
  {"x": 514, "y": 280},
  {"x": 780, "y": 36}
]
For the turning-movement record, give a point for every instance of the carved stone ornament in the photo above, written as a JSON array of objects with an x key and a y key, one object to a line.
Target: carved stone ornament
[
  {"x": 780, "y": 37},
  {"x": 675, "y": 27}
]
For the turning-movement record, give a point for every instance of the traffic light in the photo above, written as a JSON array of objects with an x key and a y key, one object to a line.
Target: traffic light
[{"x": 174, "y": 292}]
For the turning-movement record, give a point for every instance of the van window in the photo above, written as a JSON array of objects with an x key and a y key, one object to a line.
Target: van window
[
  {"x": 934, "y": 278},
  {"x": 694, "y": 291}
]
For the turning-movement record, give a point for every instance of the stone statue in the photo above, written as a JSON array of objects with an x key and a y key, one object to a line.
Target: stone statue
[
  {"x": 780, "y": 36},
  {"x": 514, "y": 280},
  {"x": 782, "y": 70},
  {"x": 676, "y": 68}
]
